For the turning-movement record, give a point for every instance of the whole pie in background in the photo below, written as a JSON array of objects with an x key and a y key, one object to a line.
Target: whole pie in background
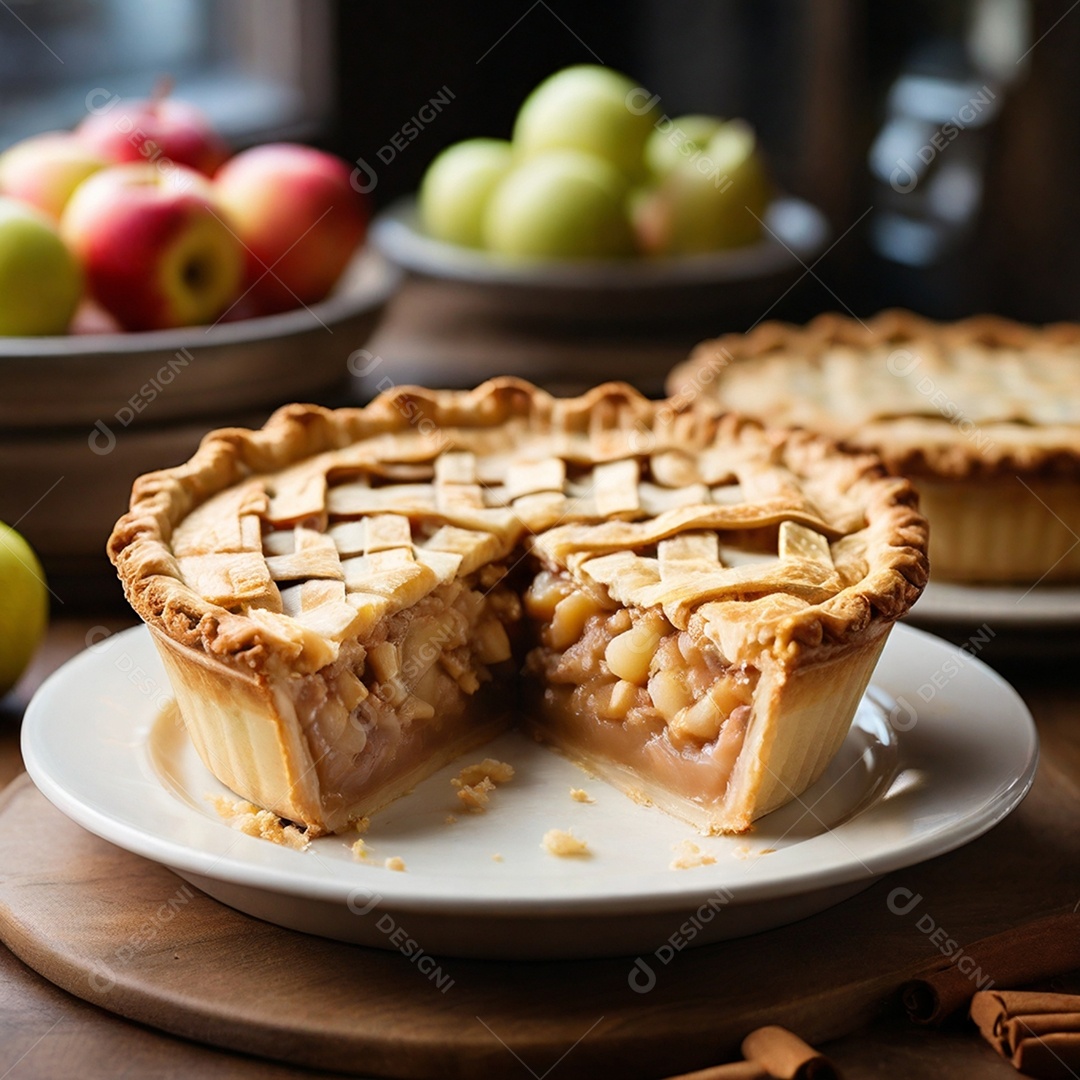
[
  {"x": 983, "y": 415},
  {"x": 685, "y": 602}
]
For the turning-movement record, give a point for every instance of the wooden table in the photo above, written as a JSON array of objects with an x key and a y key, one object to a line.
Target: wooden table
[{"x": 46, "y": 1032}]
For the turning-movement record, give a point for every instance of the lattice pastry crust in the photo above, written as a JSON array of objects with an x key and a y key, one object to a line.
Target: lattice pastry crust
[
  {"x": 983, "y": 414},
  {"x": 344, "y": 599}
]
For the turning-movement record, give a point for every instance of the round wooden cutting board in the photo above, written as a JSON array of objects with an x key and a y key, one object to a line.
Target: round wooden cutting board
[{"x": 130, "y": 936}]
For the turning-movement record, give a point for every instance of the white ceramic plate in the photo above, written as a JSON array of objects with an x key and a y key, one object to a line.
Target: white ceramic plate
[
  {"x": 613, "y": 290},
  {"x": 1021, "y": 607},
  {"x": 914, "y": 779}
]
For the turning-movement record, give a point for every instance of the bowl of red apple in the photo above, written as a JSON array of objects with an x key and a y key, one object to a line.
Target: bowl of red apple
[
  {"x": 154, "y": 285},
  {"x": 137, "y": 252},
  {"x": 602, "y": 208}
]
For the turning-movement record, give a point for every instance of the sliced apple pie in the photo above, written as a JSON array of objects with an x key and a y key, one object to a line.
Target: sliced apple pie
[
  {"x": 685, "y": 602},
  {"x": 983, "y": 415}
]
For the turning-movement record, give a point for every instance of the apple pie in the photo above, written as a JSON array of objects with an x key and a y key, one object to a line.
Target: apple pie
[
  {"x": 685, "y": 602},
  {"x": 983, "y": 415}
]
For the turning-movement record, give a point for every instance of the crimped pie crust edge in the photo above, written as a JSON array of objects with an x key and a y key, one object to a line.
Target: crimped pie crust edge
[
  {"x": 139, "y": 545},
  {"x": 941, "y": 452}
]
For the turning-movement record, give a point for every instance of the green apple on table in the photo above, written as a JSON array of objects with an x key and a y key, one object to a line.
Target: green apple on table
[
  {"x": 40, "y": 280},
  {"x": 24, "y": 611}
]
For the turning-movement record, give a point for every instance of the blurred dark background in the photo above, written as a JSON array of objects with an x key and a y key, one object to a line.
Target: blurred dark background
[{"x": 940, "y": 138}]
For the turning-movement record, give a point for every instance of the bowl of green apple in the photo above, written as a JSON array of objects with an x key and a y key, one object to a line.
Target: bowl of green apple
[{"x": 603, "y": 209}]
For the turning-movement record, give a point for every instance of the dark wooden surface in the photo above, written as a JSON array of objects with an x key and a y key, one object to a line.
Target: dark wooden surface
[
  {"x": 1029, "y": 864},
  {"x": 89, "y": 917},
  {"x": 808, "y": 974}
]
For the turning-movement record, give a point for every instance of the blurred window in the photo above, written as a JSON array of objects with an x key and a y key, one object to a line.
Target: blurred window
[{"x": 259, "y": 68}]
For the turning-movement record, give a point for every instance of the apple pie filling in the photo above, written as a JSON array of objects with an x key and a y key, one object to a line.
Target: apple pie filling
[
  {"x": 410, "y": 694},
  {"x": 625, "y": 684}
]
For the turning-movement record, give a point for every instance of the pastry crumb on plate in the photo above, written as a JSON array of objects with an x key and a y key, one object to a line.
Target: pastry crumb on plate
[
  {"x": 475, "y": 783},
  {"x": 564, "y": 844},
  {"x": 247, "y": 818},
  {"x": 688, "y": 855}
]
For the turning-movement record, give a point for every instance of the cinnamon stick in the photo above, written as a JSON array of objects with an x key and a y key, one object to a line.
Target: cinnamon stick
[
  {"x": 1038, "y": 950},
  {"x": 1039, "y": 1033},
  {"x": 782, "y": 1054},
  {"x": 733, "y": 1070}
]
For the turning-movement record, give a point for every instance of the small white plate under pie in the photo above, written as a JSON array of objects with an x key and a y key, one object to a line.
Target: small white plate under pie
[{"x": 919, "y": 774}]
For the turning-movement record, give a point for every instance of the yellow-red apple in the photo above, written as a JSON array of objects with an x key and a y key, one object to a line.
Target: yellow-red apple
[
  {"x": 156, "y": 250},
  {"x": 40, "y": 279},
  {"x": 161, "y": 131},
  {"x": 297, "y": 213},
  {"x": 712, "y": 201},
  {"x": 45, "y": 169}
]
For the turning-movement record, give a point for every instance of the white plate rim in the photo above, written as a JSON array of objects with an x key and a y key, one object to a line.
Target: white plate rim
[
  {"x": 669, "y": 892},
  {"x": 1015, "y": 606}
]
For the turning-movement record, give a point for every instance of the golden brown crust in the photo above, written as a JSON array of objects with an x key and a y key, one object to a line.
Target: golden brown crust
[
  {"x": 616, "y": 420},
  {"x": 924, "y": 396},
  {"x": 319, "y": 588}
]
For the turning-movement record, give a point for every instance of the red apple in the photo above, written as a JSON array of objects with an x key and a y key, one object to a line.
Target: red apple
[
  {"x": 299, "y": 217},
  {"x": 156, "y": 250},
  {"x": 45, "y": 169},
  {"x": 161, "y": 131}
]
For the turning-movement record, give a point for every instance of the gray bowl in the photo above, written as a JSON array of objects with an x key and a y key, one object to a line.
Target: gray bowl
[
  {"x": 613, "y": 291},
  {"x": 82, "y": 416},
  {"x": 133, "y": 379}
]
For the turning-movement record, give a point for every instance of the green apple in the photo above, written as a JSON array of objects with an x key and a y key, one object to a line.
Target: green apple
[
  {"x": 709, "y": 203},
  {"x": 563, "y": 204},
  {"x": 588, "y": 108},
  {"x": 40, "y": 280},
  {"x": 24, "y": 611},
  {"x": 457, "y": 186},
  {"x": 673, "y": 142}
]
